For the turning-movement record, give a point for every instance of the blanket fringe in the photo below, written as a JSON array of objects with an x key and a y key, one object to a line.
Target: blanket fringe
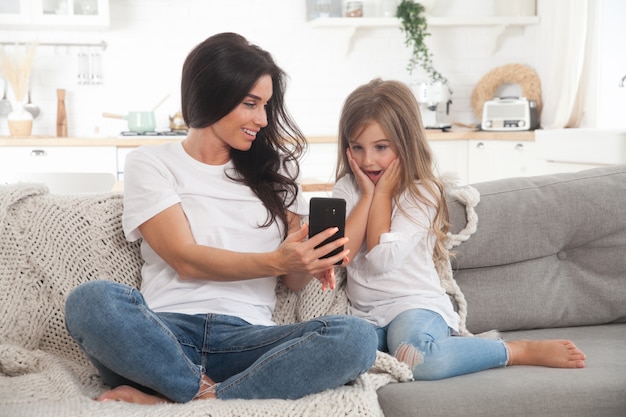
[{"x": 469, "y": 196}]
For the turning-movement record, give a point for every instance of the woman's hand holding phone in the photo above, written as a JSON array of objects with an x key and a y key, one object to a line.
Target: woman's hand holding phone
[
  {"x": 326, "y": 213},
  {"x": 299, "y": 254}
]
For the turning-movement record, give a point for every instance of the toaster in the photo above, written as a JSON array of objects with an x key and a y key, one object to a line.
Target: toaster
[{"x": 510, "y": 114}]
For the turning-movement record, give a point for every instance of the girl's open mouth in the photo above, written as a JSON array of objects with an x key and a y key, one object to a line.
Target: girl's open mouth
[{"x": 374, "y": 175}]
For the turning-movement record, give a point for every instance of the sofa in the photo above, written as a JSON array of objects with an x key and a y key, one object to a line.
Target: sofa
[
  {"x": 545, "y": 257},
  {"x": 548, "y": 260}
]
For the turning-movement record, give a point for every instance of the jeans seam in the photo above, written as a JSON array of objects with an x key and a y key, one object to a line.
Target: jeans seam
[
  {"x": 197, "y": 370},
  {"x": 249, "y": 372},
  {"x": 295, "y": 329}
]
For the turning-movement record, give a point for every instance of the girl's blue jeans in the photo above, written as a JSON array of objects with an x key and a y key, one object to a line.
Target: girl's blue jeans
[
  {"x": 166, "y": 353},
  {"x": 424, "y": 339}
]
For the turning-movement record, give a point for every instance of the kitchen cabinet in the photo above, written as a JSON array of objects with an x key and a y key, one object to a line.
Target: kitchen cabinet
[
  {"x": 44, "y": 159},
  {"x": 17, "y": 12},
  {"x": 494, "y": 159},
  {"x": 54, "y": 13},
  {"x": 479, "y": 160},
  {"x": 550, "y": 167},
  {"x": 451, "y": 159},
  {"x": 466, "y": 156}
]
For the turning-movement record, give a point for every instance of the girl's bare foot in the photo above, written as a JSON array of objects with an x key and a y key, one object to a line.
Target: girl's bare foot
[
  {"x": 129, "y": 394},
  {"x": 551, "y": 353}
]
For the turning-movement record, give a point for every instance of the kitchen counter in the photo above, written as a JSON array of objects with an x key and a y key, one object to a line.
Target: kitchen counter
[
  {"x": 134, "y": 141},
  {"x": 464, "y": 134},
  {"x": 453, "y": 150},
  {"x": 120, "y": 142}
]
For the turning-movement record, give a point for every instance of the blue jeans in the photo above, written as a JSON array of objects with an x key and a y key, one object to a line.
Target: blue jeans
[
  {"x": 424, "y": 339},
  {"x": 166, "y": 353}
]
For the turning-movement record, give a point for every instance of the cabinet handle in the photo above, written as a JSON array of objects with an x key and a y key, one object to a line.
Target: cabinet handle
[
  {"x": 519, "y": 147},
  {"x": 38, "y": 153},
  {"x": 480, "y": 145}
]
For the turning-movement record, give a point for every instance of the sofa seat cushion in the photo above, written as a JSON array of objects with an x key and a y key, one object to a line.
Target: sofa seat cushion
[{"x": 599, "y": 389}]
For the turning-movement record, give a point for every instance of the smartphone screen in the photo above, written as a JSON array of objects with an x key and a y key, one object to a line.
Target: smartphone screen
[{"x": 326, "y": 212}]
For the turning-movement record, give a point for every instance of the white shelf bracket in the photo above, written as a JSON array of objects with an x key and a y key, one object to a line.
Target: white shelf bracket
[
  {"x": 496, "y": 35},
  {"x": 348, "y": 36}
]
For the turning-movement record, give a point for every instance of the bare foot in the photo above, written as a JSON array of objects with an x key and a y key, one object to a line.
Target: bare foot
[
  {"x": 551, "y": 353},
  {"x": 207, "y": 389},
  {"x": 129, "y": 394}
]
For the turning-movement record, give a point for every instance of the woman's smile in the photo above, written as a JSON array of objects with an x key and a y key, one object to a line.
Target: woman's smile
[{"x": 250, "y": 133}]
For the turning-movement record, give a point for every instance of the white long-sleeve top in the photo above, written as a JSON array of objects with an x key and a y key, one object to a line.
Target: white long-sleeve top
[{"x": 399, "y": 273}]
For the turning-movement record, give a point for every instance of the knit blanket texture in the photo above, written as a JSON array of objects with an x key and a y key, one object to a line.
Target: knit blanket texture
[{"x": 49, "y": 244}]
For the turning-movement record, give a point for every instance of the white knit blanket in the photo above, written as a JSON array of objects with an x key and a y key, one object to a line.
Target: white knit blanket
[{"x": 49, "y": 244}]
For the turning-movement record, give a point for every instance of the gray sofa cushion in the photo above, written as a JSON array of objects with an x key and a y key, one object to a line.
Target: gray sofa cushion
[
  {"x": 549, "y": 251},
  {"x": 520, "y": 391}
]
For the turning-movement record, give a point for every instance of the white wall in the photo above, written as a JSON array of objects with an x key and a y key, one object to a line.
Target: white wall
[
  {"x": 611, "y": 64},
  {"x": 149, "y": 39}
]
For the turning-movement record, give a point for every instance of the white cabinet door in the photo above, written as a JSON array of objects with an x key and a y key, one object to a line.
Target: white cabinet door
[
  {"x": 551, "y": 167},
  {"x": 71, "y": 12},
  {"x": 30, "y": 159},
  {"x": 55, "y": 13},
  {"x": 64, "y": 170},
  {"x": 451, "y": 159},
  {"x": 121, "y": 160},
  {"x": 15, "y": 12},
  {"x": 495, "y": 159}
]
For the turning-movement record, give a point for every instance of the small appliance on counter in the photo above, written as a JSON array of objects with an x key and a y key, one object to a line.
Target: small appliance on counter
[
  {"x": 510, "y": 114},
  {"x": 177, "y": 122},
  {"x": 429, "y": 95},
  {"x": 154, "y": 133},
  {"x": 138, "y": 121}
]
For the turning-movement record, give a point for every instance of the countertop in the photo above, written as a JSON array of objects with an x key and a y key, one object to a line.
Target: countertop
[{"x": 134, "y": 141}]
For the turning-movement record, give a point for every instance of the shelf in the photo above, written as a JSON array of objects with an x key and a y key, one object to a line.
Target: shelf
[
  {"x": 379, "y": 22},
  {"x": 349, "y": 25}
]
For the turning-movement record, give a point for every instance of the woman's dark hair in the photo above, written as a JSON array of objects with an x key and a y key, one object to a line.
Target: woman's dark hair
[{"x": 217, "y": 75}]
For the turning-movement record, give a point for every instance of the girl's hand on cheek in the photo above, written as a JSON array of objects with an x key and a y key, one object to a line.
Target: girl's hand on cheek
[
  {"x": 390, "y": 179},
  {"x": 365, "y": 184}
]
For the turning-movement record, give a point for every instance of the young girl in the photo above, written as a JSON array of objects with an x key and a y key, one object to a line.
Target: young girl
[{"x": 397, "y": 224}]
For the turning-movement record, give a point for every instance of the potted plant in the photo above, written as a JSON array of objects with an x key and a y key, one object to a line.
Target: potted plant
[{"x": 413, "y": 24}]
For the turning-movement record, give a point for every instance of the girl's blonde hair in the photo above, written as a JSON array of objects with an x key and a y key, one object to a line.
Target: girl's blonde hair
[{"x": 394, "y": 107}]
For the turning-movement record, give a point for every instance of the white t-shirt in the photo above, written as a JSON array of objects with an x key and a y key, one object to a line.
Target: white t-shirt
[
  {"x": 398, "y": 274},
  {"x": 222, "y": 213}
]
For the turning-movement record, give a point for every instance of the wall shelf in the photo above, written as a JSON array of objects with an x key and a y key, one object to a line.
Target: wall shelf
[
  {"x": 349, "y": 25},
  {"x": 378, "y": 22}
]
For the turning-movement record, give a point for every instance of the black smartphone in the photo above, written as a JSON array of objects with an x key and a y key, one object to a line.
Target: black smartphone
[{"x": 325, "y": 212}]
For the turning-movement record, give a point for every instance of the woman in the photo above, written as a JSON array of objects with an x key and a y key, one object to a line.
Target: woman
[
  {"x": 397, "y": 224},
  {"x": 219, "y": 215}
]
